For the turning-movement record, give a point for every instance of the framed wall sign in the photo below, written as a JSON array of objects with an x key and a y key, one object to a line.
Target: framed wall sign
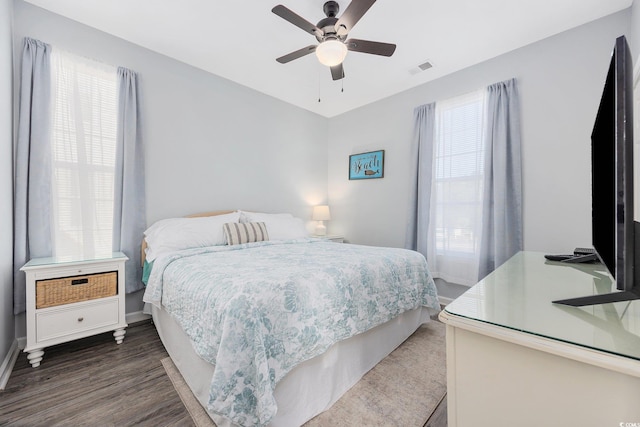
[{"x": 366, "y": 165}]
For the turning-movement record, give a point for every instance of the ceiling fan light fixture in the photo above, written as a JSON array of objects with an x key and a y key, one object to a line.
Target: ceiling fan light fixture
[{"x": 331, "y": 52}]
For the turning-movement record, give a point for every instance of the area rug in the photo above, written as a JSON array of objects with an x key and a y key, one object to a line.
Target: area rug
[{"x": 402, "y": 390}]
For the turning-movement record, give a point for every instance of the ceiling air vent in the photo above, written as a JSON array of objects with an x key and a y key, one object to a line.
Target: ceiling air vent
[
  {"x": 425, "y": 66},
  {"x": 420, "y": 68}
]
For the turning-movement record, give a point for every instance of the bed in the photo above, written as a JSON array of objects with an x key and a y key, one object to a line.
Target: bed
[{"x": 273, "y": 328}]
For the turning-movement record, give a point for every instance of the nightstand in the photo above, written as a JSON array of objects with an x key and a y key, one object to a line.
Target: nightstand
[
  {"x": 68, "y": 299},
  {"x": 333, "y": 237}
]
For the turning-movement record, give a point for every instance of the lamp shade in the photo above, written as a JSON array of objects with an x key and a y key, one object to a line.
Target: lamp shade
[
  {"x": 331, "y": 52},
  {"x": 321, "y": 213}
]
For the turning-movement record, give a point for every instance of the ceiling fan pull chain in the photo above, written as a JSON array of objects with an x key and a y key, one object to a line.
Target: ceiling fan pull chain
[{"x": 319, "y": 85}]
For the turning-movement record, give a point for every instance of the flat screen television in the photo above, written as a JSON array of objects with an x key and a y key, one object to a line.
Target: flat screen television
[{"x": 615, "y": 234}]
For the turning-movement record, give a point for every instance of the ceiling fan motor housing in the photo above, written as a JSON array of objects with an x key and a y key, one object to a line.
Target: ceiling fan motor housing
[{"x": 328, "y": 24}]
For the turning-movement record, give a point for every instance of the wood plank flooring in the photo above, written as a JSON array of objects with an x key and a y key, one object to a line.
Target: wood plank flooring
[{"x": 95, "y": 382}]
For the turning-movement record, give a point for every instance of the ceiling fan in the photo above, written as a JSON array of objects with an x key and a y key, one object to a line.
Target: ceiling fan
[{"x": 332, "y": 34}]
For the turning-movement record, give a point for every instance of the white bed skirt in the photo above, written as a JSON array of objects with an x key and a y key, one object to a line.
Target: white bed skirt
[{"x": 311, "y": 387}]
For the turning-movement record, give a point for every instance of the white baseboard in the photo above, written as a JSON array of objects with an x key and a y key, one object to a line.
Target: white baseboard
[
  {"x": 137, "y": 316},
  {"x": 8, "y": 363}
]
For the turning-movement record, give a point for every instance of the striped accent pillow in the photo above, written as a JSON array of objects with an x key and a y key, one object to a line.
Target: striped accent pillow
[{"x": 248, "y": 232}]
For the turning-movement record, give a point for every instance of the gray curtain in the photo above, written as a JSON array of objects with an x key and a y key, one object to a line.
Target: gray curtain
[
  {"x": 502, "y": 200},
  {"x": 32, "y": 191},
  {"x": 129, "y": 198},
  {"x": 424, "y": 118}
]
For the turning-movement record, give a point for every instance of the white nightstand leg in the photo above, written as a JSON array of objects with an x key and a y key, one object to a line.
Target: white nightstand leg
[
  {"x": 35, "y": 356},
  {"x": 119, "y": 335}
]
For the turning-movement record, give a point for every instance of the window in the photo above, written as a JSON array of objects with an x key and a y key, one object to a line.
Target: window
[
  {"x": 84, "y": 97},
  {"x": 457, "y": 187}
]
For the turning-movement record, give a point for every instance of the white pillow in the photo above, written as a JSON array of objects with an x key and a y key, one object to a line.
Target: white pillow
[
  {"x": 246, "y": 216},
  {"x": 174, "y": 234},
  {"x": 279, "y": 226}
]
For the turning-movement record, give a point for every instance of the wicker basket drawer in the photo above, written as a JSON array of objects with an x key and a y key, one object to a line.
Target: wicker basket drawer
[{"x": 67, "y": 290}]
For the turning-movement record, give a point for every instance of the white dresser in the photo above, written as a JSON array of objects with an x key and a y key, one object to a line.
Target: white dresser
[
  {"x": 516, "y": 359},
  {"x": 68, "y": 299}
]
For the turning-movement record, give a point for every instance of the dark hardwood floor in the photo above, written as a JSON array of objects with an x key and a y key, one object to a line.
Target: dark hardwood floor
[{"x": 95, "y": 382}]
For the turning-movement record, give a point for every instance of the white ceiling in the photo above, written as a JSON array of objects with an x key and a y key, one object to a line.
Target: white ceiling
[{"x": 240, "y": 39}]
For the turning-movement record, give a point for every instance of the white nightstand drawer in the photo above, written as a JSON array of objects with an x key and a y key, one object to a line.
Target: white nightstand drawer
[{"x": 64, "y": 321}]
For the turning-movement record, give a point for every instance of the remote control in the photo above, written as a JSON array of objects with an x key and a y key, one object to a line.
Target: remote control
[
  {"x": 559, "y": 257},
  {"x": 584, "y": 251},
  {"x": 574, "y": 258}
]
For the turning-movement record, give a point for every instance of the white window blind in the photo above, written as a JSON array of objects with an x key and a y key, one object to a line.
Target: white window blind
[
  {"x": 456, "y": 196},
  {"x": 84, "y": 96}
]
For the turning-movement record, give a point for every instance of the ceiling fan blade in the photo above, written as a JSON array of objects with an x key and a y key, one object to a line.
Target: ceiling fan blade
[
  {"x": 337, "y": 72},
  {"x": 296, "y": 54},
  {"x": 351, "y": 15},
  {"x": 297, "y": 20},
  {"x": 366, "y": 46}
]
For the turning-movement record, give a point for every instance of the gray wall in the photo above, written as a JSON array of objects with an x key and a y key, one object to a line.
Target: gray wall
[
  {"x": 6, "y": 181},
  {"x": 209, "y": 143},
  {"x": 560, "y": 82}
]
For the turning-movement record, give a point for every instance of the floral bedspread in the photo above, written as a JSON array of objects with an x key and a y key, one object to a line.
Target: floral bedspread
[{"x": 257, "y": 310}]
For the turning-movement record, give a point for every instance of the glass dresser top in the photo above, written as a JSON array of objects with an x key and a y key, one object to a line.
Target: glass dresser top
[
  {"x": 50, "y": 261},
  {"x": 518, "y": 296}
]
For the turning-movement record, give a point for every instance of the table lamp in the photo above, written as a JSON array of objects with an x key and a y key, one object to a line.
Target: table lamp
[{"x": 321, "y": 213}]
